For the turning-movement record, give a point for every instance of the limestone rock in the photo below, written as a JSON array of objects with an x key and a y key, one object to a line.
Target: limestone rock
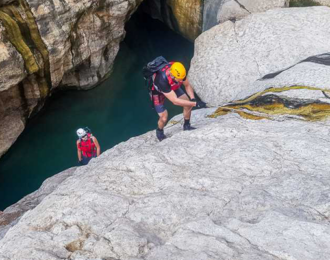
[
  {"x": 210, "y": 13},
  {"x": 183, "y": 17},
  {"x": 237, "y": 9},
  {"x": 11, "y": 127},
  {"x": 324, "y": 2},
  {"x": 232, "y": 189},
  {"x": 230, "y": 57},
  {"x": 12, "y": 214},
  {"x": 82, "y": 37},
  {"x": 191, "y": 18},
  {"x": 11, "y": 62},
  {"x": 305, "y": 80}
]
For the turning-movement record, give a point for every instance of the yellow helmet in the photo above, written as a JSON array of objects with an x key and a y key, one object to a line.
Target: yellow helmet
[{"x": 178, "y": 70}]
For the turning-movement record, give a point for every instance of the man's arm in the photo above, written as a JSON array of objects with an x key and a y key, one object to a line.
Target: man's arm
[
  {"x": 189, "y": 89},
  {"x": 79, "y": 151},
  {"x": 98, "y": 148},
  {"x": 177, "y": 101}
]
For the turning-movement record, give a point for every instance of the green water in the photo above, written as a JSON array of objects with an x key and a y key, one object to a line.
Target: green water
[{"x": 116, "y": 110}]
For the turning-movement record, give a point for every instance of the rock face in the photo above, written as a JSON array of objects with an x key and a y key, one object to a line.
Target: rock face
[
  {"x": 237, "y": 9},
  {"x": 184, "y": 17},
  {"x": 5, "y": 2},
  {"x": 51, "y": 44},
  {"x": 191, "y": 18},
  {"x": 258, "y": 45},
  {"x": 232, "y": 189},
  {"x": 324, "y": 2}
]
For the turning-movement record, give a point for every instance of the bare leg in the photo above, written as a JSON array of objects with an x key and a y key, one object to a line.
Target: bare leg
[
  {"x": 186, "y": 110},
  {"x": 186, "y": 115},
  {"x": 162, "y": 119},
  {"x": 161, "y": 124}
]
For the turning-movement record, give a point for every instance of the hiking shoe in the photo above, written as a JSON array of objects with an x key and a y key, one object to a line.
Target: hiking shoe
[
  {"x": 160, "y": 135},
  {"x": 188, "y": 127}
]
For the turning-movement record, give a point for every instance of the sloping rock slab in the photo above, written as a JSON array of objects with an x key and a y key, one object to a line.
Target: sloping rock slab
[
  {"x": 232, "y": 189},
  {"x": 12, "y": 214},
  {"x": 230, "y": 57}
]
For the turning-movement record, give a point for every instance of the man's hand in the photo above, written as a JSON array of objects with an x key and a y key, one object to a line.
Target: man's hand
[{"x": 200, "y": 104}]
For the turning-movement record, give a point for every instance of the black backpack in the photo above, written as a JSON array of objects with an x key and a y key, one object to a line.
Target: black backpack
[{"x": 149, "y": 70}]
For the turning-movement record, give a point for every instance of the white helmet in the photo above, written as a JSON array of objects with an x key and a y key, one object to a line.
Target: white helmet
[{"x": 81, "y": 133}]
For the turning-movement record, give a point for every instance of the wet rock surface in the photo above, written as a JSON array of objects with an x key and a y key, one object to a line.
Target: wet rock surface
[{"x": 233, "y": 188}]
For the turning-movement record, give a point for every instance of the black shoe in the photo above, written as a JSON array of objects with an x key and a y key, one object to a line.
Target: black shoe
[
  {"x": 160, "y": 135},
  {"x": 188, "y": 127}
]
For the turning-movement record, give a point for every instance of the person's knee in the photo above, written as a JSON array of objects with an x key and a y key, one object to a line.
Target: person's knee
[
  {"x": 187, "y": 108},
  {"x": 163, "y": 118}
]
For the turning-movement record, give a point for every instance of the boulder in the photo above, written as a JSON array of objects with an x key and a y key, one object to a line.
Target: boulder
[
  {"x": 324, "y": 2},
  {"x": 305, "y": 80},
  {"x": 237, "y": 9},
  {"x": 232, "y": 189},
  {"x": 231, "y": 57}
]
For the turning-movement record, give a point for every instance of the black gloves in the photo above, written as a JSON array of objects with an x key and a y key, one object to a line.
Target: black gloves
[{"x": 200, "y": 104}]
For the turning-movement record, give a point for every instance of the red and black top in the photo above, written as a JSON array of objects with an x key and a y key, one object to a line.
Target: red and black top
[
  {"x": 163, "y": 82},
  {"x": 87, "y": 147}
]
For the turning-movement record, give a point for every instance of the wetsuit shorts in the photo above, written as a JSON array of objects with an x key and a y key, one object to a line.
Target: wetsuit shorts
[
  {"x": 159, "y": 99},
  {"x": 85, "y": 159}
]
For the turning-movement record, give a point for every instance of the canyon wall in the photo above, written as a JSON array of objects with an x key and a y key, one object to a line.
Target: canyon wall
[{"x": 54, "y": 44}]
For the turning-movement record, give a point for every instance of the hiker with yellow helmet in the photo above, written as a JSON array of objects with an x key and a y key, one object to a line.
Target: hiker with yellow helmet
[{"x": 167, "y": 82}]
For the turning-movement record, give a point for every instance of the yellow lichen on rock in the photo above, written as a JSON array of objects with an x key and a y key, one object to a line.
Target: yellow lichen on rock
[
  {"x": 221, "y": 111},
  {"x": 21, "y": 29},
  {"x": 173, "y": 122},
  {"x": 35, "y": 35},
  {"x": 259, "y": 107},
  {"x": 313, "y": 112},
  {"x": 15, "y": 37},
  {"x": 188, "y": 14},
  {"x": 274, "y": 90},
  {"x": 12, "y": 10}
]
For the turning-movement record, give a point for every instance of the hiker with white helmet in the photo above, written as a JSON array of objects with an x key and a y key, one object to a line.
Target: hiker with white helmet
[{"x": 87, "y": 145}]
